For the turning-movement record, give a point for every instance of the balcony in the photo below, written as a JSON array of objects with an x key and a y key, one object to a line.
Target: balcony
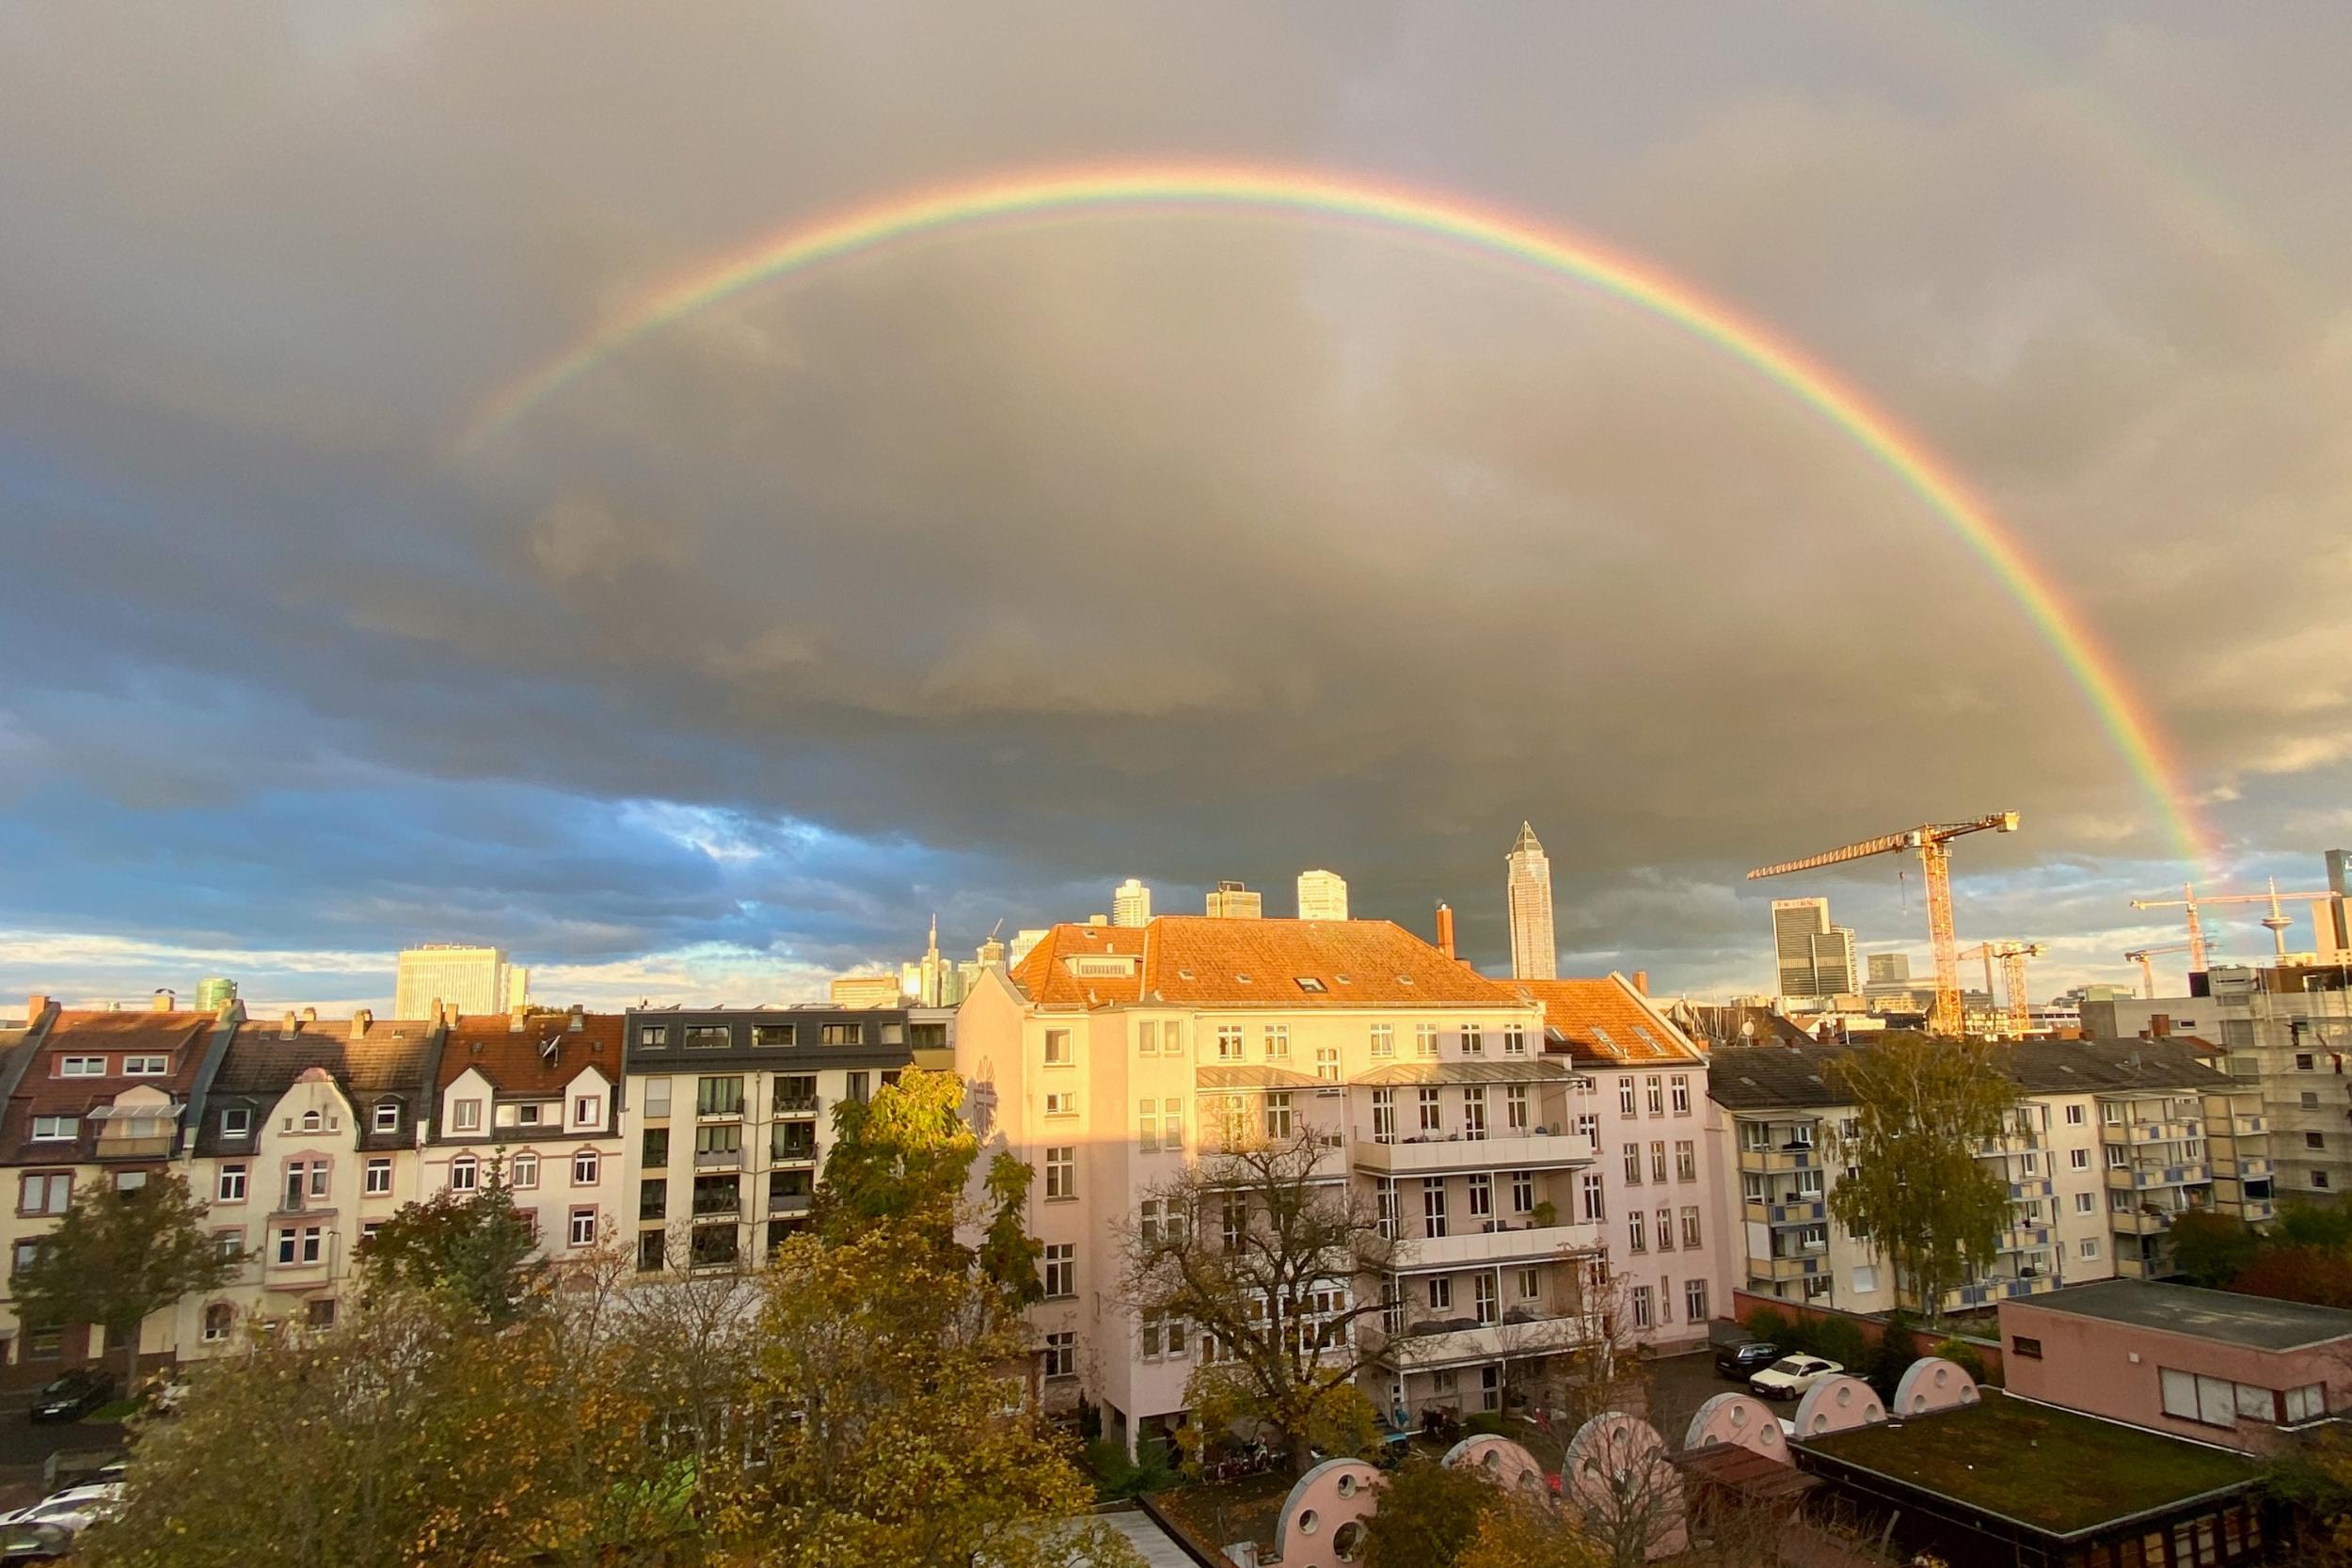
[
  {"x": 1802, "y": 1265},
  {"x": 2028, "y": 1237},
  {"x": 2030, "y": 1188},
  {"x": 1789, "y": 1157},
  {"x": 796, "y": 1105},
  {"x": 2246, "y": 1126},
  {"x": 795, "y": 1153},
  {"x": 1986, "y": 1292},
  {"x": 2173, "y": 1132},
  {"x": 2253, "y": 1211},
  {"x": 2145, "y": 1221},
  {"x": 1454, "y": 1341},
  {"x": 2012, "y": 1142},
  {"x": 2252, "y": 1165},
  {"x": 709, "y": 1205},
  {"x": 2140, "y": 1178},
  {"x": 1801, "y": 1211},
  {"x": 1518, "y": 1151},
  {"x": 1507, "y": 1241},
  {"x": 718, "y": 1159}
]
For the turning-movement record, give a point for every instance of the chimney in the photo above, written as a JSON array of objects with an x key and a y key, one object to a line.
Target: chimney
[
  {"x": 1641, "y": 981},
  {"x": 360, "y": 1021},
  {"x": 516, "y": 1017},
  {"x": 578, "y": 1020},
  {"x": 36, "y": 1007},
  {"x": 309, "y": 1015},
  {"x": 1445, "y": 929},
  {"x": 286, "y": 1027},
  {"x": 166, "y": 999}
]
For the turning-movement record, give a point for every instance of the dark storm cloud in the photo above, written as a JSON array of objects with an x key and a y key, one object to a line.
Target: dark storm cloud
[{"x": 976, "y": 575}]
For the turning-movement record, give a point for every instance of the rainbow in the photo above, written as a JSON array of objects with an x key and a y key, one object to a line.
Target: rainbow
[{"x": 1484, "y": 233}]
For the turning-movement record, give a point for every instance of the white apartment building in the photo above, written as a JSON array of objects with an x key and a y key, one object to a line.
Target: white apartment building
[
  {"x": 2109, "y": 1142},
  {"x": 1100, "y": 1059},
  {"x": 1322, "y": 895},
  {"x": 429, "y": 980}
]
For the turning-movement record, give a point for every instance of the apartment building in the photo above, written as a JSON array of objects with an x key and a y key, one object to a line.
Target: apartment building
[
  {"x": 2286, "y": 1032},
  {"x": 1105, "y": 1056},
  {"x": 2109, "y": 1142},
  {"x": 538, "y": 1097},
  {"x": 92, "y": 1097},
  {"x": 1640, "y": 1096},
  {"x": 730, "y": 1110},
  {"x": 303, "y": 1141}
]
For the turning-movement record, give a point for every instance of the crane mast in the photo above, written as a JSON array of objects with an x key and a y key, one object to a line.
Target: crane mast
[{"x": 1929, "y": 839}]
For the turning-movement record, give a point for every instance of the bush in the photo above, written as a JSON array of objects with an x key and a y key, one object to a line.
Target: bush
[
  {"x": 1117, "y": 1477},
  {"x": 1486, "y": 1423},
  {"x": 1964, "y": 1357},
  {"x": 1771, "y": 1326},
  {"x": 1891, "y": 1356},
  {"x": 1840, "y": 1342}
]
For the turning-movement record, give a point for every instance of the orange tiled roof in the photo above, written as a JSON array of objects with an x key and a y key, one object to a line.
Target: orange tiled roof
[
  {"x": 515, "y": 1061},
  {"x": 1606, "y": 1021},
  {"x": 181, "y": 1035},
  {"x": 1201, "y": 962}
]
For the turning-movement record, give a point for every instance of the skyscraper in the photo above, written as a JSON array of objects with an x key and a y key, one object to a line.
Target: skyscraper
[
  {"x": 1889, "y": 969},
  {"x": 1322, "y": 895},
  {"x": 1534, "y": 951},
  {"x": 1233, "y": 901},
  {"x": 1834, "y": 967},
  {"x": 1795, "y": 923},
  {"x": 1131, "y": 903},
  {"x": 474, "y": 980}
]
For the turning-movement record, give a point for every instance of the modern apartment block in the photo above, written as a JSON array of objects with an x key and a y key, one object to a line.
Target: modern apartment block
[
  {"x": 730, "y": 1110},
  {"x": 1322, "y": 895},
  {"x": 2110, "y": 1142},
  {"x": 2286, "y": 1033},
  {"x": 1106, "y": 1057},
  {"x": 429, "y": 981}
]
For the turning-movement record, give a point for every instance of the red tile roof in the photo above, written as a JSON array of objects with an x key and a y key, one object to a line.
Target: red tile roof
[
  {"x": 1202, "y": 961},
  {"x": 516, "y": 1061},
  {"x": 1606, "y": 1021},
  {"x": 182, "y": 1037}
]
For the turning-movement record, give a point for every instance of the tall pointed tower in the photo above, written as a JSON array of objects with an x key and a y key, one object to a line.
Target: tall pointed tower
[{"x": 1534, "y": 955}]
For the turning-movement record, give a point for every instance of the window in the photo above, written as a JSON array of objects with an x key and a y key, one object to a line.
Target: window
[
  {"x": 2193, "y": 1397},
  {"x": 1147, "y": 1037},
  {"x": 2302, "y": 1061},
  {"x": 585, "y": 1167},
  {"x": 1061, "y": 1172},
  {"x": 1637, "y": 1232},
  {"x": 1058, "y": 1048},
  {"x": 1473, "y": 1043},
  {"x": 1060, "y": 1270},
  {"x": 657, "y": 1097},
  {"x": 1638, "y": 1300},
  {"x": 1164, "y": 1338},
  {"x": 709, "y": 1036},
  {"x": 25, "y": 1252},
  {"x": 1482, "y": 1291},
  {"x": 587, "y": 1110},
  {"x": 2091, "y": 1247},
  {"x": 1277, "y": 1116},
  {"x": 1425, "y": 1039},
  {"x": 1625, "y": 1096},
  {"x": 1061, "y": 1355},
  {"x": 1633, "y": 1164},
  {"x": 146, "y": 1067},
  {"x": 466, "y": 1115},
  {"x": 713, "y": 1246},
  {"x": 46, "y": 1129},
  {"x": 1474, "y": 1111},
  {"x": 2086, "y": 1203},
  {"x": 654, "y": 1150},
  {"x": 313, "y": 1241},
  {"x": 2117, "y": 1156},
  {"x": 726, "y": 1138},
  {"x": 841, "y": 1034},
  {"x": 1514, "y": 1040},
  {"x": 231, "y": 1188},
  {"x": 1522, "y": 1191},
  {"x": 1595, "y": 1204},
  {"x": 130, "y": 1180},
  {"x": 1441, "y": 1295},
  {"x": 1229, "y": 1043},
  {"x": 1327, "y": 1063},
  {"x": 2078, "y": 1159},
  {"x": 1172, "y": 1124},
  {"x": 320, "y": 1312},
  {"x": 653, "y": 1037},
  {"x": 1432, "y": 1120},
  {"x": 1654, "y": 1092},
  {"x": 1482, "y": 1196},
  {"x": 1694, "y": 1301},
  {"x": 2315, "y": 1140},
  {"x": 1657, "y": 1162},
  {"x": 1433, "y": 1208},
  {"x": 81, "y": 1066},
  {"x": 1588, "y": 1128},
  {"x": 1686, "y": 1159},
  {"x": 2074, "y": 1116},
  {"x": 1690, "y": 1226},
  {"x": 1148, "y": 1125},
  {"x": 379, "y": 1177},
  {"x": 583, "y": 1231},
  {"x": 1062, "y": 1104},
  {"x": 1665, "y": 1230},
  {"x": 1383, "y": 1039},
  {"x": 1679, "y": 1086},
  {"x": 2307, "y": 1403},
  {"x": 719, "y": 1097},
  {"x": 1514, "y": 1107},
  {"x": 2319, "y": 1179},
  {"x": 464, "y": 1174},
  {"x": 1384, "y": 1115},
  {"x": 236, "y": 1122},
  {"x": 1277, "y": 1042}
]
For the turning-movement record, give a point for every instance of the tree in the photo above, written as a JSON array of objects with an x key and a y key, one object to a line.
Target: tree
[
  {"x": 899, "y": 1377},
  {"x": 1916, "y": 1191},
  {"x": 119, "y": 1255},
  {"x": 2314, "y": 1478},
  {"x": 2320, "y": 1277},
  {"x": 2213, "y": 1249},
  {"x": 475, "y": 1245},
  {"x": 1252, "y": 1249},
  {"x": 1524, "y": 1532},
  {"x": 1429, "y": 1514}
]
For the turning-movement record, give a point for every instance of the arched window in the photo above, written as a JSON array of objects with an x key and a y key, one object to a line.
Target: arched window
[
  {"x": 526, "y": 1171},
  {"x": 218, "y": 1319},
  {"x": 312, "y": 1122},
  {"x": 584, "y": 1166},
  {"x": 465, "y": 1173}
]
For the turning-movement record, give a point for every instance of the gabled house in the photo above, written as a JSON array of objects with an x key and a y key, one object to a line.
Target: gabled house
[{"x": 537, "y": 1095}]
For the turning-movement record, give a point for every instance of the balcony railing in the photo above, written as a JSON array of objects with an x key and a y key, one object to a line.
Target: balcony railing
[
  {"x": 2140, "y": 1178},
  {"x": 1796, "y": 1266},
  {"x": 1506, "y": 1241},
  {"x": 1791, "y": 1157},
  {"x": 2024, "y": 1238},
  {"x": 796, "y": 1154},
  {"x": 1800, "y": 1211},
  {"x": 796, "y": 1105},
  {"x": 2145, "y": 1221},
  {"x": 2172, "y": 1131},
  {"x": 1985, "y": 1293},
  {"x": 2029, "y": 1188},
  {"x": 718, "y": 1159},
  {"x": 1515, "y": 1151},
  {"x": 1449, "y": 1342}
]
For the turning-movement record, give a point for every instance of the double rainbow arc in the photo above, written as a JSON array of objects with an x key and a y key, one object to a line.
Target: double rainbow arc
[{"x": 1227, "y": 189}]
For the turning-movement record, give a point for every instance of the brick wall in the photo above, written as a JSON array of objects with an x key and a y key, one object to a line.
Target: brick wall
[{"x": 1923, "y": 1342}]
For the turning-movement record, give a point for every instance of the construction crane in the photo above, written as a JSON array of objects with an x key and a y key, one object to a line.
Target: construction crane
[
  {"x": 1930, "y": 840},
  {"x": 2147, "y": 971},
  {"x": 2275, "y": 922},
  {"x": 2012, "y": 956}
]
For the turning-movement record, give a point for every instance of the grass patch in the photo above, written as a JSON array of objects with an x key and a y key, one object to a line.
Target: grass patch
[
  {"x": 2051, "y": 1470},
  {"x": 114, "y": 1411}
]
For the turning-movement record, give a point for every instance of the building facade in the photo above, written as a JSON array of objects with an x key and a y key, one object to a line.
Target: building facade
[
  {"x": 1106, "y": 1058},
  {"x": 1131, "y": 903},
  {"x": 1322, "y": 895},
  {"x": 2108, "y": 1144},
  {"x": 431, "y": 979},
  {"x": 1227, "y": 902},
  {"x": 730, "y": 1110},
  {"x": 1527, "y": 891}
]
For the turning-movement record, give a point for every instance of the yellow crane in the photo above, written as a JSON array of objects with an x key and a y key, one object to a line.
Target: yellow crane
[
  {"x": 2276, "y": 921},
  {"x": 1929, "y": 839},
  {"x": 2147, "y": 971},
  {"x": 2012, "y": 956}
]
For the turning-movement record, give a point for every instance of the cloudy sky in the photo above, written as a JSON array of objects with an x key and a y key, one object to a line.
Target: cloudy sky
[{"x": 972, "y": 575}]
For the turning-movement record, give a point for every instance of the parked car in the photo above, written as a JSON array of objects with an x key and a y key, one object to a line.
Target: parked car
[
  {"x": 72, "y": 1509},
  {"x": 28, "y": 1544},
  {"x": 1790, "y": 1376},
  {"x": 1743, "y": 1361},
  {"x": 75, "y": 1395}
]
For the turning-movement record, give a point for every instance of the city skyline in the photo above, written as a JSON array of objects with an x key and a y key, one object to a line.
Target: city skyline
[{"x": 394, "y": 577}]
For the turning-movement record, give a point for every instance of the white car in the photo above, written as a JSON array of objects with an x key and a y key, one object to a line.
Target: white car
[
  {"x": 1790, "y": 1376},
  {"x": 73, "y": 1509}
]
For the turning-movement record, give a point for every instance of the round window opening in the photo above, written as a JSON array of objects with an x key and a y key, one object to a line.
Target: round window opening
[
  {"x": 1347, "y": 1541},
  {"x": 1310, "y": 1522}
]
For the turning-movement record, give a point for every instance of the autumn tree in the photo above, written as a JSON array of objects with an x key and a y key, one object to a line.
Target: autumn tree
[
  {"x": 1916, "y": 1190},
  {"x": 1429, "y": 1515},
  {"x": 2213, "y": 1249},
  {"x": 117, "y": 1257},
  {"x": 475, "y": 1245},
  {"x": 1257, "y": 1249}
]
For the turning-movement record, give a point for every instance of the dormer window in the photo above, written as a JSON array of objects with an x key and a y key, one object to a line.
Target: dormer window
[
  {"x": 388, "y": 1116},
  {"x": 313, "y": 1121},
  {"x": 236, "y": 1121}
]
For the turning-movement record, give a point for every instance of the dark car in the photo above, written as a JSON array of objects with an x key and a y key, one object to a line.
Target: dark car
[
  {"x": 72, "y": 1396},
  {"x": 1743, "y": 1360}
]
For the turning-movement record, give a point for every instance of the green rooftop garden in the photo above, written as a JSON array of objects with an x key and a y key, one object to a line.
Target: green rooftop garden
[{"x": 2049, "y": 1468}]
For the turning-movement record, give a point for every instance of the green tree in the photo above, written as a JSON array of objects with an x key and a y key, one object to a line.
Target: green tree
[
  {"x": 2303, "y": 1222},
  {"x": 2213, "y": 1249},
  {"x": 1917, "y": 1192},
  {"x": 119, "y": 1255},
  {"x": 1429, "y": 1514},
  {"x": 475, "y": 1245},
  {"x": 1009, "y": 1252}
]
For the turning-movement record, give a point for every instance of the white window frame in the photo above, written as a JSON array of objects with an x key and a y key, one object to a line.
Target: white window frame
[{"x": 378, "y": 1179}]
